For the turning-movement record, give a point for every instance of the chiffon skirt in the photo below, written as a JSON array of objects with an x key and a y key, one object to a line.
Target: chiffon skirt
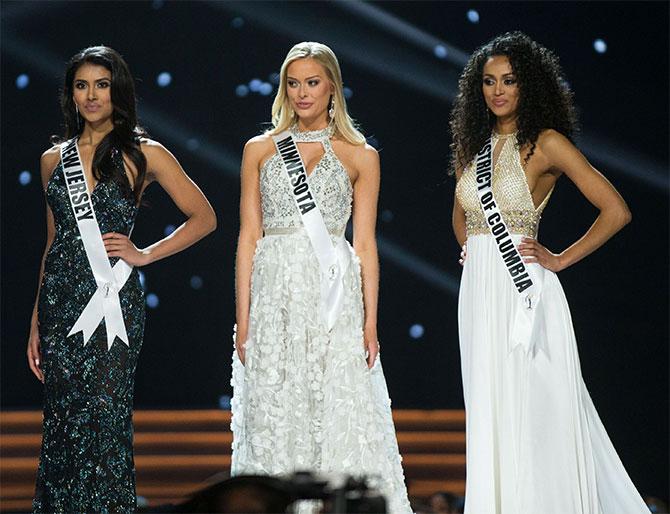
[
  {"x": 305, "y": 398},
  {"x": 535, "y": 443}
]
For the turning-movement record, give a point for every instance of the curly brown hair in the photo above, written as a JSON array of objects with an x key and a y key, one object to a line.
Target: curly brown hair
[{"x": 545, "y": 99}]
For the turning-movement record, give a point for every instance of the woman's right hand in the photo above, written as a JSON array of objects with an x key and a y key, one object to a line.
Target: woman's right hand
[
  {"x": 34, "y": 354},
  {"x": 240, "y": 342},
  {"x": 464, "y": 253}
]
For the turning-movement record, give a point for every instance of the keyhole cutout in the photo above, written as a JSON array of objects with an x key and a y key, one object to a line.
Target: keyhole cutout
[
  {"x": 312, "y": 153},
  {"x": 496, "y": 151}
]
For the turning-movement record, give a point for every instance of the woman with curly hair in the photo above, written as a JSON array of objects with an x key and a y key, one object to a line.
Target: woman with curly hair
[{"x": 535, "y": 443}]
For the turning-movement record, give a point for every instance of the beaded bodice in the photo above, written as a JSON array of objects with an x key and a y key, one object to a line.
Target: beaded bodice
[
  {"x": 510, "y": 190},
  {"x": 328, "y": 181},
  {"x": 114, "y": 212}
]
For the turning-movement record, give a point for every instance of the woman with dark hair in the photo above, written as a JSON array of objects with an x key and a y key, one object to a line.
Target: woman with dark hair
[
  {"x": 535, "y": 442},
  {"x": 93, "y": 179}
]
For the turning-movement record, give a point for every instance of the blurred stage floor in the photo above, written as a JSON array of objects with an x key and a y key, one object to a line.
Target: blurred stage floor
[{"x": 176, "y": 451}]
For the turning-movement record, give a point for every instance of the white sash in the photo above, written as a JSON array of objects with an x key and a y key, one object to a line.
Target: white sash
[
  {"x": 526, "y": 280},
  {"x": 105, "y": 301},
  {"x": 333, "y": 259}
]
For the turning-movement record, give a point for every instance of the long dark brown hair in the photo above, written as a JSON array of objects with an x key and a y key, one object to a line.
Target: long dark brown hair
[
  {"x": 124, "y": 138},
  {"x": 545, "y": 99}
]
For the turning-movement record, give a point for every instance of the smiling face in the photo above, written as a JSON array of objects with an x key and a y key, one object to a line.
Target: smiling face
[
  {"x": 309, "y": 89},
  {"x": 499, "y": 86},
  {"x": 92, "y": 93}
]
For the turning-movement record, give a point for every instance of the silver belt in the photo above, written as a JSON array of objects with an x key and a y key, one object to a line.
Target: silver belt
[{"x": 286, "y": 231}]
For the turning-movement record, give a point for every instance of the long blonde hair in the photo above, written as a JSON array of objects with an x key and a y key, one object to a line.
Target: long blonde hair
[{"x": 284, "y": 117}]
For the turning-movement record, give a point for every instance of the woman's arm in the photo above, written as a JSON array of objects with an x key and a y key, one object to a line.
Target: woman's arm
[
  {"x": 366, "y": 193},
  {"x": 48, "y": 162},
  {"x": 458, "y": 221},
  {"x": 251, "y": 230},
  {"x": 165, "y": 169},
  {"x": 614, "y": 214}
]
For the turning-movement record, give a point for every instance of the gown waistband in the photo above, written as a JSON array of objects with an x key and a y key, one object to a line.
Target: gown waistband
[{"x": 285, "y": 231}]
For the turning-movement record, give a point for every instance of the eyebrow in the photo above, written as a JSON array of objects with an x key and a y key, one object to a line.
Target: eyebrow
[
  {"x": 504, "y": 74},
  {"x": 306, "y": 78},
  {"x": 96, "y": 80}
]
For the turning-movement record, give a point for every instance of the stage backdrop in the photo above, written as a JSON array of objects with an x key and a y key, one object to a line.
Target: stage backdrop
[{"x": 206, "y": 76}]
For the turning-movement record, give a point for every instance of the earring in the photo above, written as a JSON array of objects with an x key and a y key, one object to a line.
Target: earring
[{"x": 331, "y": 109}]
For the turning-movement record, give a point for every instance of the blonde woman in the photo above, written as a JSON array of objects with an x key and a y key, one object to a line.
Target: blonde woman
[{"x": 309, "y": 390}]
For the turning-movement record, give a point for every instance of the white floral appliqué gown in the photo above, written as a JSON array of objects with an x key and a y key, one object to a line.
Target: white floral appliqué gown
[
  {"x": 535, "y": 443},
  {"x": 305, "y": 398}
]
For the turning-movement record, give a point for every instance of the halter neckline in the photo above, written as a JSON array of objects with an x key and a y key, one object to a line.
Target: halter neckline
[
  {"x": 312, "y": 136},
  {"x": 504, "y": 136}
]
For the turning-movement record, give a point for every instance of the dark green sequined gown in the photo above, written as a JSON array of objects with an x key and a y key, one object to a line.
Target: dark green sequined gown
[{"x": 86, "y": 461}]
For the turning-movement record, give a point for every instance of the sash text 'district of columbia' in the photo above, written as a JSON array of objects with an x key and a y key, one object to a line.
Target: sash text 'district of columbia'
[{"x": 510, "y": 255}]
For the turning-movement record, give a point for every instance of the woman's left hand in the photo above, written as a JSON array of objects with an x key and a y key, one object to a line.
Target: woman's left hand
[
  {"x": 371, "y": 345},
  {"x": 532, "y": 251},
  {"x": 120, "y": 245}
]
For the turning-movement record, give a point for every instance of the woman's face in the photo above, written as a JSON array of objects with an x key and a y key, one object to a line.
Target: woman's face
[
  {"x": 308, "y": 89},
  {"x": 92, "y": 93},
  {"x": 499, "y": 87}
]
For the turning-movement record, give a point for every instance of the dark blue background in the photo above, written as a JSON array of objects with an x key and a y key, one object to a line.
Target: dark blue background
[{"x": 401, "y": 97}]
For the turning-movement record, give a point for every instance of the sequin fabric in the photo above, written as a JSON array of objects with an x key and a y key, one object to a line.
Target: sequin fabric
[
  {"x": 328, "y": 181},
  {"x": 510, "y": 190},
  {"x": 305, "y": 398},
  {"x": 86, "y": 459}
]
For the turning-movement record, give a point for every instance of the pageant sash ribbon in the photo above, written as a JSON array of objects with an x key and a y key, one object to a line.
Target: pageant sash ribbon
[
  {"x": 105, "y": 303},
  {"x": 527, "y": 282},
  {"x": 333, "y": 259}
]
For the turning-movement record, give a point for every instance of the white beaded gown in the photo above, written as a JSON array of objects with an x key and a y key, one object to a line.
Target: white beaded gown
[
  {"x": 305, "y": 398},
  {"x": 535, "y": 443}
]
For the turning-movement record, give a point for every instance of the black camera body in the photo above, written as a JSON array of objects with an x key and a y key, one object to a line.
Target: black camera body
[
  {"x": 340, "y": 494},
  {"x": 336, "y": 493}
]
